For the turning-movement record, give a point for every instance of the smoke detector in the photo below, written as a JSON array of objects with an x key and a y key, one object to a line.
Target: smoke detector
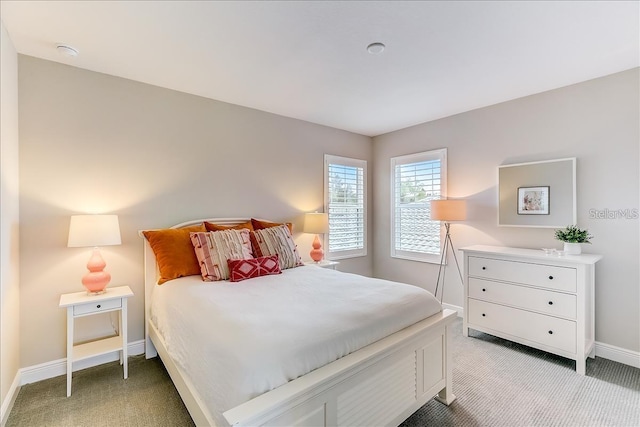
[
  {"x": 67, "y": 50},
  {"x": 376, "y": 48}
]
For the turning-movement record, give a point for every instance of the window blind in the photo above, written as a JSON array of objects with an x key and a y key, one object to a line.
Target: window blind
[
  {"x": 345, "y": 204},
  {"x": 417, "y": 179}
]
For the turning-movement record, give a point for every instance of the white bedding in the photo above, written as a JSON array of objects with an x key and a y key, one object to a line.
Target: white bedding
[{"x": 238, "y": 340}]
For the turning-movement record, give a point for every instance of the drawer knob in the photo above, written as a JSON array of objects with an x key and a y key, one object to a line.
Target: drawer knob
[
  {"x": 550, "y": 277},
  {"x": 98, "y": 306},
  {"x": 550, "y": 332},
  {"x": 550, "y": 302},
  {"x": 484, "y": 268},
  {"x": 483, "y": 315}
]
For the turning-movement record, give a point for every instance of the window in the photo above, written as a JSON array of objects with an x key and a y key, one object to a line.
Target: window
[
  {"x": 416, "y": 179},
  {"x": 345, "y": 196}
]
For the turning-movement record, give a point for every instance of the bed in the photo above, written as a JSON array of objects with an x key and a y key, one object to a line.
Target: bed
[{"x": 390, "y": 361}]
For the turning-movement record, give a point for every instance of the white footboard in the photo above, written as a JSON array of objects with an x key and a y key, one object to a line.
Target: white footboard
[{"x": 381, "y": 384}]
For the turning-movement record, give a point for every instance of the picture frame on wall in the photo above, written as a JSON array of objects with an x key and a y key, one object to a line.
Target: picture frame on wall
[
  {"x": 556, "y": 174},
  {"x": 533, "y": 200}
]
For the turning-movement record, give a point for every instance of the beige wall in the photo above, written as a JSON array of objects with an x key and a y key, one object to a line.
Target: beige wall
[
  {"x": 596, "y": 121},
  {"x": 9, "y": 220},
  {"x": 95, "y": 143}
]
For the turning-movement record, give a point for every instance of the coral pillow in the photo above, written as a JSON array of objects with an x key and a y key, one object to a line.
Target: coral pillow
[
  {"x": 214, "y": 248},
  {"x": 217, "y": 227},
  {"x": 260, "y": 225},
  {"x": 276, "y": 241},
  {"x": 242, "y": 269},
  {"x": 174, "y": 252}
]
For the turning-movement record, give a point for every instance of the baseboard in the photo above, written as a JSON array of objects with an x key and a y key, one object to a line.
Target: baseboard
[
  {"x": 58, "y": 367},
  {"x": 617, "y": 354},
  {"x": 459, "y": 309},
  {"x": 10, "y": 399},
  {"x": 606, "y": 351}
]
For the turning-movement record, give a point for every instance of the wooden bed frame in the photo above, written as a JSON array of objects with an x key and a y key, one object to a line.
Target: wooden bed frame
[{"x": 380, "y": 384}]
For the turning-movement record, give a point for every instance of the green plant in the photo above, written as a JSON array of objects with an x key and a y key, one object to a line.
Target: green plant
[{"x": 572, "y": 234}]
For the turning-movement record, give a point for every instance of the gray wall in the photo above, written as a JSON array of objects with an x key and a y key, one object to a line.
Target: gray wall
[
  {"x": 9, "y": 221},
  {"x": 597, "y": 122},
  {"x": 90, "y": 142},
  {"x": 93, "y": 143}
]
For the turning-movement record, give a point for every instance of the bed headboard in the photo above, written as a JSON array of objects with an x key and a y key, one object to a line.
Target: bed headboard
[{"x": 151, "y": 272}]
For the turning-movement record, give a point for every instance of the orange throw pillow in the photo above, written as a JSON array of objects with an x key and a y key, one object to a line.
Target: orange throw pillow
[
  {"x": 217, "y": 227},
  {"x": 260, "y": 225},
  {"x": 174, "y": 252}
]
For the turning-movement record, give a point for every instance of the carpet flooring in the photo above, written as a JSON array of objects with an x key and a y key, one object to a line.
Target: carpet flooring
[{"x": 497, "y": 383}]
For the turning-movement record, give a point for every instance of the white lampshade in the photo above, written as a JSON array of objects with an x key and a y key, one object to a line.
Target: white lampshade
[
  {"x": 448, "y": 210},
  {"x": 93, "y": 230},
  {"x": 316, "y": 223}
]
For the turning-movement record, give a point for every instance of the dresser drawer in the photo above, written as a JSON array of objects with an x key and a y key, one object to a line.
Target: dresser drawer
[
  {"x": 546, "y": 276},
  {"x": 546, "y": 330},
  {"x": 97, "y": 307},
  {"x": 541, "y": 300}
]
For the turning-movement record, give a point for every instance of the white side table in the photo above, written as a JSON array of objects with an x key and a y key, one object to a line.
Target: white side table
[
  {"x": 80, "y": 304},
  {"x": 325, "y": 263}
]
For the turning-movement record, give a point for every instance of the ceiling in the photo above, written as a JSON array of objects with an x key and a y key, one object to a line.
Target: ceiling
[{"x": 308, "y": 59}]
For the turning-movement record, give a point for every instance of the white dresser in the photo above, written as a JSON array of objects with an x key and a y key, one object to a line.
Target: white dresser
[{"x": 523, "y": 295}]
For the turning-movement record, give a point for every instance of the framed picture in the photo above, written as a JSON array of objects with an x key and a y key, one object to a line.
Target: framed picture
[{"x": 533, "y": 201}]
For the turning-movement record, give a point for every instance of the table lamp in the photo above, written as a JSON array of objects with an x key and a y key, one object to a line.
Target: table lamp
[
  {"x": 316, "y": 223},
  {"x": 447, "y": 211},
  {"x": 94, "y": 231}
]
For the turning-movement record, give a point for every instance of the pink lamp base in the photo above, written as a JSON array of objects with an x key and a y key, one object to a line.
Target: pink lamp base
[
  {"x": 316, "y": 253},
  {"x": 96, "y": 280}
]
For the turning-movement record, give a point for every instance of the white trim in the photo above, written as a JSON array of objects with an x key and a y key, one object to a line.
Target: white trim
[
  {"x": 440, "y": 154},
  {"x": 58, "y": 367},
  {"x": 606, "y": 351},
  {"x": 617, "y": 354},
  {"x": 43, "y": 371},
  {"x": 457, "y": 308},
  {"x": 574, "y": 190},
  {"x": 359, "y": 164},
  {"x": 10, "y": 399}
]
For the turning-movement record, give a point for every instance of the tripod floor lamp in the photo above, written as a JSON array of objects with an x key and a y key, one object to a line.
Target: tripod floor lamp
[{"x": 447, "y": 211}]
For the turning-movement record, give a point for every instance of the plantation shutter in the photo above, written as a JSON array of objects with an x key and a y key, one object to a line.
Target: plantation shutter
[
  {"x": 416, "y": 180},
  {"x": 345, "y": 200}
]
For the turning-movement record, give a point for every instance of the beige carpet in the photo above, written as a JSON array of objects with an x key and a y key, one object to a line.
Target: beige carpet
[{"x": 498, "y": 383}]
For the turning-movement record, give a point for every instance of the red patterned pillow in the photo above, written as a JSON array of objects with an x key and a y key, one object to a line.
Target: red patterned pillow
[{"x": 241, "y": 269}]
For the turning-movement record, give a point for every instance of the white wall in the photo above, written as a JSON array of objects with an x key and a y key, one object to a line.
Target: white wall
[
  {"x": 96, "y": 143},
  {"x": 596, "y": 121},
  {"x": 9, "y": 221}
]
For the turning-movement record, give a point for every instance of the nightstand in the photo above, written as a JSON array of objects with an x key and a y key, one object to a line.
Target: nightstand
[
  {"x": 325, "y": 263},
  {"x": 80, "y": 304}
]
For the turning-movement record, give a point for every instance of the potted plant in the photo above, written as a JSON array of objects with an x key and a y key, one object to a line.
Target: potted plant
[{"x": 572, "y": 236}]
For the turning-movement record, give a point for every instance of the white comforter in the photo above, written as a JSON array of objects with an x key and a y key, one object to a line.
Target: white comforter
[{"x": 238, "y": 340}]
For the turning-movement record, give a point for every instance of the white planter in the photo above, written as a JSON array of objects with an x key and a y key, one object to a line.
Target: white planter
[{"x": 572, "y": 248}]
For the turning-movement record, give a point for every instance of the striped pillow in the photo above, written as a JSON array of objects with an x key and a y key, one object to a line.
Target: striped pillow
[
  {"x": 276, "y": 241},
  {"x": 214, "y": 248}
]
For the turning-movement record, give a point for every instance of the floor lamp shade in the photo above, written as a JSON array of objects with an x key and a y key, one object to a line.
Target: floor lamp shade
[
  {"x": 448, "y": 210},
  {"x": 94, "y": 231},
  {"x": 316, "y": 223}
]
